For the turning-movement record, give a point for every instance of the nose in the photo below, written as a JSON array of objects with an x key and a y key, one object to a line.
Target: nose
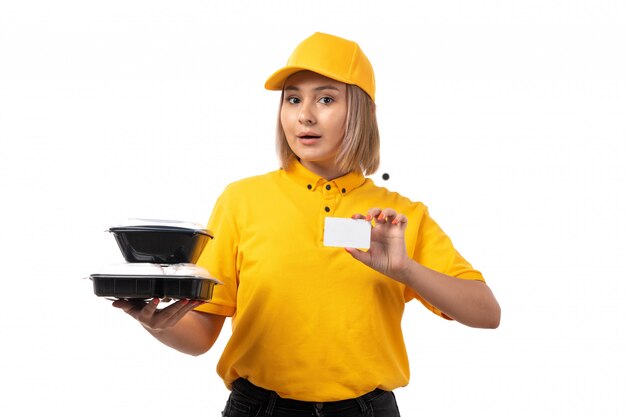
[{"x": 306, "y": 115}]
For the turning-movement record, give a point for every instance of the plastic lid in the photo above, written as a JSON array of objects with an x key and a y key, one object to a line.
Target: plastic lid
[
  {"x": 187, "y": 270},
  {"x": 156, "y": 225},
  {"x": 183, "y": 269},
  {"x": 131, "y": 269},
  {"x": 160, "y": 223}
]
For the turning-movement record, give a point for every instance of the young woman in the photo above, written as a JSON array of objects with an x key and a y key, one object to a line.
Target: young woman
[{"x": 315, "y": 329}]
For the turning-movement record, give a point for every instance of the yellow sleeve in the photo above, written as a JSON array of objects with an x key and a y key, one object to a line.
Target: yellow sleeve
[
  {"x": 219, "y": 257},
  {"x": 434, "y": 250}
]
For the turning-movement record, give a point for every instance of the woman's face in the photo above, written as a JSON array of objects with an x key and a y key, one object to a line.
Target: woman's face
[{"x": 313, "y": 116}]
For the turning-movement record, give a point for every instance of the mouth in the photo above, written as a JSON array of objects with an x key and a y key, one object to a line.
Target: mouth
[{"x": 308, "y": 135}]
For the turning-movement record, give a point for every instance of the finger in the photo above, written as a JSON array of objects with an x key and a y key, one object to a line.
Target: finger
[
  {"x": 127, "y": 306},
  {"x": 372, "y": 213},
  {"x": 184, "y": 307},
  {"x": 148, "y": 310},
  {"x": 389, "y": 213},
  {"x": 385, "y": 216},
  {"x": 123, "y": 304},
  {"x": 166, "y": 314},
  {"x": 400, "y": 219},
  {"x": 359, "y": 255},
  {"x": 175, "y": 318}
]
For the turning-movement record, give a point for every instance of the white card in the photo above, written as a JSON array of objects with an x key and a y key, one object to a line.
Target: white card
[{"x": 347, "y": 233}]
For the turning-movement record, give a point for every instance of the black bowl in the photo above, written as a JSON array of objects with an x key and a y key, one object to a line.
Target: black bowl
[
  {"x": 144, "y": 287},
  {"x": 161, "y": 244}
]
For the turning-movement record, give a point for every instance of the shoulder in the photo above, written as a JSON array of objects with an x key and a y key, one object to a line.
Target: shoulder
[
  {"x": 252, "y": 184},
  {"x": 249, "y": 189},
  {"x": 393, "y": 199}
]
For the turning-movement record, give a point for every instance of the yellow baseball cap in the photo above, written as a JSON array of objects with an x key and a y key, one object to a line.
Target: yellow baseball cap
[{"x": 331, "y": 56}]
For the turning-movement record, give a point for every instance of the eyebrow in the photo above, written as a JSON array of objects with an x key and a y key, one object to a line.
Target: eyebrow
[{"x": 320, "y": 88}]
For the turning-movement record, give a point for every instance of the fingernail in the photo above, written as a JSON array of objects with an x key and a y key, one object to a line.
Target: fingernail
[
  {"x": 394, "y": 221},
  {"x": 381, "y": 216},
  {"x": 185, "y": 302},
  {"x": 155, "y": 301},
  {"x": 368, "y": 217}
]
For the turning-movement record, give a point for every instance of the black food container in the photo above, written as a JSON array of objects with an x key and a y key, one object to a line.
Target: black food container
[
  {"x": 161, "y": 242},
  {"x": 183, "y": 281}
]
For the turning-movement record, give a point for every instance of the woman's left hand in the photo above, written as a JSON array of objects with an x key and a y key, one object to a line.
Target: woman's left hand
[{"x": 387, "y": 253}]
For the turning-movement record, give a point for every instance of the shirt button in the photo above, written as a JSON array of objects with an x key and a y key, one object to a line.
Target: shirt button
[
  {"x": 343, "y": 190},
  {"x": 328, "y": 186},
  {"x": 326, "y": 209},
  {"x": 309, "y": 186}
]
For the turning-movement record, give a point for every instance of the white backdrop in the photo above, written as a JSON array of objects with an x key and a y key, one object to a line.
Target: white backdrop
[{"x": 506, "y": 118}]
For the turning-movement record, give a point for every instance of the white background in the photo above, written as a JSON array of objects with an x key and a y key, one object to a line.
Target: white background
[{"x": 506, "y": 118}]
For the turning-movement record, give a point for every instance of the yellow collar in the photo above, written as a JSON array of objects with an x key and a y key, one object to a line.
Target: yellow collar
[{"x": 311, "y": 181}]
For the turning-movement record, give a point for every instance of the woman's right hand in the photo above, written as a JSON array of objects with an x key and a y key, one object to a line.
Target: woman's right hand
[{"x": 153, "y": 319}]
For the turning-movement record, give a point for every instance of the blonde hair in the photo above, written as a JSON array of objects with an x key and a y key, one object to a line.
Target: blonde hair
[{"x": 360, "y": 148}]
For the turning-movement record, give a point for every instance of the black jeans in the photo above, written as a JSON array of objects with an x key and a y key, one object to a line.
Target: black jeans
[{"x": 248, "y": 400}]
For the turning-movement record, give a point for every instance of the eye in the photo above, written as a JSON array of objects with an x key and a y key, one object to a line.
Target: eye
[
  {"x": 326, "y": 100},
  {"x": 293, "y": 100}
]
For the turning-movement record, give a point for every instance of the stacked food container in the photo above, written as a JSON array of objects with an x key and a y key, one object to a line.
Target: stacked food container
[{"x": 160, "y": 262}]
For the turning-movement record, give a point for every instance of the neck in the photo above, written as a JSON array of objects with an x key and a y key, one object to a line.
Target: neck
[{"x": 327, "y": 172}]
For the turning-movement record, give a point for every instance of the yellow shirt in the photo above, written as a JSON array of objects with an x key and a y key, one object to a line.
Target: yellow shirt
[{"x": 311, "y": 322}]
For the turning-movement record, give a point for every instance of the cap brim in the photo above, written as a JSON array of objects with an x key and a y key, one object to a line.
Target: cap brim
[{"x": 277, "y": 79}]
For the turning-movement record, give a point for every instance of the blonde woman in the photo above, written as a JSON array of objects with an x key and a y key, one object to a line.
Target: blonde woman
[{"x": 315, "y": 329}]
